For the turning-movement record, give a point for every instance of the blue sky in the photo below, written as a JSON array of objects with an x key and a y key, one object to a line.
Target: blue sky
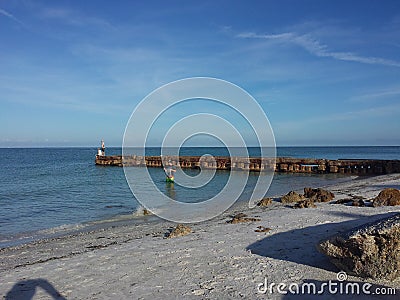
[{"x": 325, "y": 72}]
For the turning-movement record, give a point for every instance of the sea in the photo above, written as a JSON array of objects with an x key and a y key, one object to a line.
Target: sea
[{"x": 49, "y": 191}]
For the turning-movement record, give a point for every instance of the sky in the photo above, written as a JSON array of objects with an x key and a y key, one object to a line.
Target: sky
[{"x": 325, "y": 73}]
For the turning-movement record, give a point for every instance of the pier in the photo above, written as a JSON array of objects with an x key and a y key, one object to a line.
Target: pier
[{"x": 280, "y": 164}]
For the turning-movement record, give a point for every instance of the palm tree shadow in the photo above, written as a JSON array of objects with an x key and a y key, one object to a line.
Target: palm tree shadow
[
  {"x": 26, "y": 289},
  {"x": 299, "y": 245}
]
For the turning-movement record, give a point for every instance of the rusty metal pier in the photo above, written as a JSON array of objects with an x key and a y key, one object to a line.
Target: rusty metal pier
[{"x": 280, "y": 164}]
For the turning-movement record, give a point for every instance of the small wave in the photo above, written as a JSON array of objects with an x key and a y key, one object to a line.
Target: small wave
[
  {"x": 140, "y": 211},
  {"x": 61, "y": 228}
]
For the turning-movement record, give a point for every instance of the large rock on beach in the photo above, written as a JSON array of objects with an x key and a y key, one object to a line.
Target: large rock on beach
[
  {"x": 318, "y": 195},
  {"x": 387, "y": 197},
  {"x": 291, "y": 197},
  {"x": 369, "y": 251}
]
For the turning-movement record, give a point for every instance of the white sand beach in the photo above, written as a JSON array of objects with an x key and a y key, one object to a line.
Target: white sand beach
[{"x": 216, "y": 261}]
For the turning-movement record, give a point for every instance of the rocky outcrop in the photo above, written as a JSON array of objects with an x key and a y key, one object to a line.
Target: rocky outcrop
[
  {"x": 264, "y": 202},
  {"x": 291, "y": 197},
  {"x": 372, "y": 250},
  {"x": 310, "y": 194},
  {"x": 387, "y": 197},
  {"x": 318, "y": 195},
  {"x": 307, "y": 203},
  {"x": 179, "y": 230}
]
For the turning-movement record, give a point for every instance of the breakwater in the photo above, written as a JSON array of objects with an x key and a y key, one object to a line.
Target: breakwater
[{"x": 280, "y": 164}]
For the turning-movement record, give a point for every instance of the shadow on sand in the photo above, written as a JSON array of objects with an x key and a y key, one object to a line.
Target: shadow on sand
[
  {"x": 26, "y": 289},
  {"x": 299, "y": 245}
]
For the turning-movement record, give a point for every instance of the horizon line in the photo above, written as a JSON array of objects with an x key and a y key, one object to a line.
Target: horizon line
[{"x": 251, "y": 146}]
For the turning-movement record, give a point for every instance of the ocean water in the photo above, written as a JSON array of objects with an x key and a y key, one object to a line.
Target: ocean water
[{"x": 43, "y": 188}]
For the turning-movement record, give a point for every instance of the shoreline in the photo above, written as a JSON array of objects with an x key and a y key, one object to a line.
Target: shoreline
[
  {"x": 217, "y": 260},
  {"x": 137, "y": 216}
]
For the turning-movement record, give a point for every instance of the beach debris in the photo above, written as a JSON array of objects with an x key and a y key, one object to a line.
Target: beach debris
[
  {"x": 318, "y": 195},
  {"x": 146, "y": 212},
  {"x": 242, "y": 218},
  {"x": 387, "y": 197},
  {"x": 358, "y": 202},
  {"x": 264, "y": 202},
  {"x": 307, "y": 203},
  {"x": 291, "y": 197},
  {"x": 353, "y": 201},
  {"x": 262, "y": 229},
  {"x": 369, "y": 251},
  {"x": 198, "y": 292},
  {"x": 179, "y": 230}
]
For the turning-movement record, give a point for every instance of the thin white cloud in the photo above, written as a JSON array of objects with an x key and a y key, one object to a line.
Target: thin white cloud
[
  {"x": 10, "y": 16},
  {"x": 316, "y": 48},
  {"x": 337, "y": 117},
  {"x": 73, "y": 17},
  {"x": 57, "y": 13},
  {"x": 378, "y": 95}
]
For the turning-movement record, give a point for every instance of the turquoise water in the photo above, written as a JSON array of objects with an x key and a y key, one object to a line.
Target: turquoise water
[{"x": 51, "y": 187}]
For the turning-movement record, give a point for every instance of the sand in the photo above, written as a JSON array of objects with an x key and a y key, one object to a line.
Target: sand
[{"x": 216, "y": 260}]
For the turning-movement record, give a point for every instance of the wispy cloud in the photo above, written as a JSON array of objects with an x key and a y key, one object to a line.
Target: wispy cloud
[
  {"x": 10, "y": 16},
  {"x": 395, "y": 92},
  {"x": 315, "y": 47},
  {"x": 339, "y": 117},
  {"x": 53, "y": 99},
  {"x": 72, "y": 17}
]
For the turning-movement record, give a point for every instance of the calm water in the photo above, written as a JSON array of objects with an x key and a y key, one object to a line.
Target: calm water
[{"x": 50, "y": 187}]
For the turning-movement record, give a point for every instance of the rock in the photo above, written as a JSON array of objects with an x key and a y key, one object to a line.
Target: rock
[
  {"x": 291, "y": 197},
  {"x": 307, "y": 203},
  {"x": 242, "y": 218},
  {"x": 387, "y": 197},
  {"x": 262, "y": 229},
  {"x": 179, "y": 230},
  {"x": 358, "y": 202},
  {"x": 369, "y": 251},
  {"x": 264, "y": 202},
  {"x": 343, "y": 201},
  {"x": 354, "y": 201},
  {"x": 146, "y": 212},
  {"x": 318, "y": 195}
]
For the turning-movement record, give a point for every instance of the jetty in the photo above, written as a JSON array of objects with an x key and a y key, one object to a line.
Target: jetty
[{"x": 257, "y": 164}]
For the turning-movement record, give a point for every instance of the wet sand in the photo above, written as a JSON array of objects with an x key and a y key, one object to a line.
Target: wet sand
[{"x": 217, "y": 260}]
